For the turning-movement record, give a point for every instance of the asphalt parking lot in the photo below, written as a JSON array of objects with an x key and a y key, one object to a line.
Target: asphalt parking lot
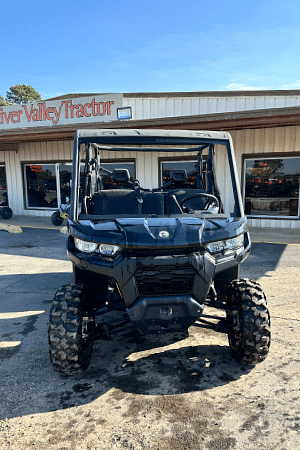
[{"x": 144, "y": 393}]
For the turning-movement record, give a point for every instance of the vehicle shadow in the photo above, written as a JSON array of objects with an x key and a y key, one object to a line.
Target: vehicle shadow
[
  {"x": 37, "y": 242},
  {"x": 15, "y": 287},
  {"x": 125, "y": 364},
  {"x": 183, "y": 368},
  {"x": 264, "y": 258}
]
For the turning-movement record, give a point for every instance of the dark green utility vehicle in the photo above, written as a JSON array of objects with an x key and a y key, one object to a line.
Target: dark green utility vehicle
[{"x": 153, "y": 258}]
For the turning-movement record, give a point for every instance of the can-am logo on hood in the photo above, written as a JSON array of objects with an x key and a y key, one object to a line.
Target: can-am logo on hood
[{"x": 163, "y": 234}]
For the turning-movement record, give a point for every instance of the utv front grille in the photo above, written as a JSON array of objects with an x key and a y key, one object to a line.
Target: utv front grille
[
  {"x": 165, "y": 280},
  {"x": 162, "y": 252}
]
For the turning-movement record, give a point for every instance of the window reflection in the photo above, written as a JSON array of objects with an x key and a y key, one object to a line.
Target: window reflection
[
  {"x": 272, "y": 186},
  {"x": 41, "y": 186},
  {"x": 3, "y": 187},
  {"x": 189, "y": 166},
  {"x": 65, "y": 175},
  {"x": 107, "y": 179}
]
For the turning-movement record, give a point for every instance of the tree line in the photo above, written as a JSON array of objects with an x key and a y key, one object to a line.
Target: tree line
[{"x": 20, "y": 93}]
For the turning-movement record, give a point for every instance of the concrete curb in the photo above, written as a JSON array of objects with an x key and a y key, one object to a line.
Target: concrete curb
[
  {"x": 18, "y": 229},
  {"x": 11, "y": 228},
  {"x": 64, "y": 230}
]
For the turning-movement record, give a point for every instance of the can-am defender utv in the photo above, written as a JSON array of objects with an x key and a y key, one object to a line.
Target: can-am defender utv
[{"x": 157, "y": 255}]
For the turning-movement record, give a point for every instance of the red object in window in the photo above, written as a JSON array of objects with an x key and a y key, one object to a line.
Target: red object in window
[{"x": 36, "y": 169}]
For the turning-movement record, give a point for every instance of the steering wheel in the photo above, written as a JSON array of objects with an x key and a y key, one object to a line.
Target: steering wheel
[{"x": 210, "y": 199}]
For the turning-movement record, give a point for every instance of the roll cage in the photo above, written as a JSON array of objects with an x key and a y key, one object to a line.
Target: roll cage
[{"x": 92, "y": 143}]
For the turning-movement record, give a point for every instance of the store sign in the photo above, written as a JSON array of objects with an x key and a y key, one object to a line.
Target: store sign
[{"x": 79, "y": 110}]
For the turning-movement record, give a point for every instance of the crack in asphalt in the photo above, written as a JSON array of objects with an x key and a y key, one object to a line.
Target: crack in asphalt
[{"x": 286, "y": 318}]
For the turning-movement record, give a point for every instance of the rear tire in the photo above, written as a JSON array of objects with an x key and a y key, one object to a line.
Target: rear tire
[
  {"x": 249, "y": 324},
  {"x": 70, "y": 348},
  {"x": 56, "y": 219},
  {"x": 6, "y": 212}
]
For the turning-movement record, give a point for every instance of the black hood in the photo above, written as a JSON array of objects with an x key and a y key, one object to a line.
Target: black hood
[{"x": 159, "y": 232}]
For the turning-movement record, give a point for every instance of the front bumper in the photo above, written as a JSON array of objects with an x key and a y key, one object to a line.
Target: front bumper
[
  {"x": 161, "y": 293},
  {"x": 138, "y": 277}
]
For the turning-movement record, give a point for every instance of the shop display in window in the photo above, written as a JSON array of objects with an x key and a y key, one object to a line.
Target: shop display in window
[
  {"x": 108, "y": 182},
  {"x": 3, "y": 186},
  {"x": 189, "y": 166},
  {"x": 49, "y": 185},
  {"x": 272, "y": 187},
  {"x": 65, "y": 176},
  {"x": 5, "y": 210},
  {"x": 41, "y": 187}
]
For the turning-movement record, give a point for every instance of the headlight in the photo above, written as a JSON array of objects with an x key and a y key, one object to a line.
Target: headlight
[
  {"x": 216, "y": 247},
  {"x": 90, "y": 247},
  {"x": 235, "y": 243},
  {"x": 108, "y": 250},
  {"x": 226, "y": 246},
  {"x": 85, "y": 246}
]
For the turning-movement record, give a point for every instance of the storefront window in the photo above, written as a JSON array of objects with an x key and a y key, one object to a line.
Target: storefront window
[
  {"x": 65, "y": 175},
  {"x": 41, "y": 186},
  {"x": 49, "y": 185},
  {"x": 3, "y": 187},
  {"x": 189, "y": 166},
  {"x": 65, "y": 181},
  {"x": 272, "y": 187}
]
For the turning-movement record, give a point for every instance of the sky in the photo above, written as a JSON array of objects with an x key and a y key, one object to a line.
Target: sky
[{"x": 94, "y": 46}]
